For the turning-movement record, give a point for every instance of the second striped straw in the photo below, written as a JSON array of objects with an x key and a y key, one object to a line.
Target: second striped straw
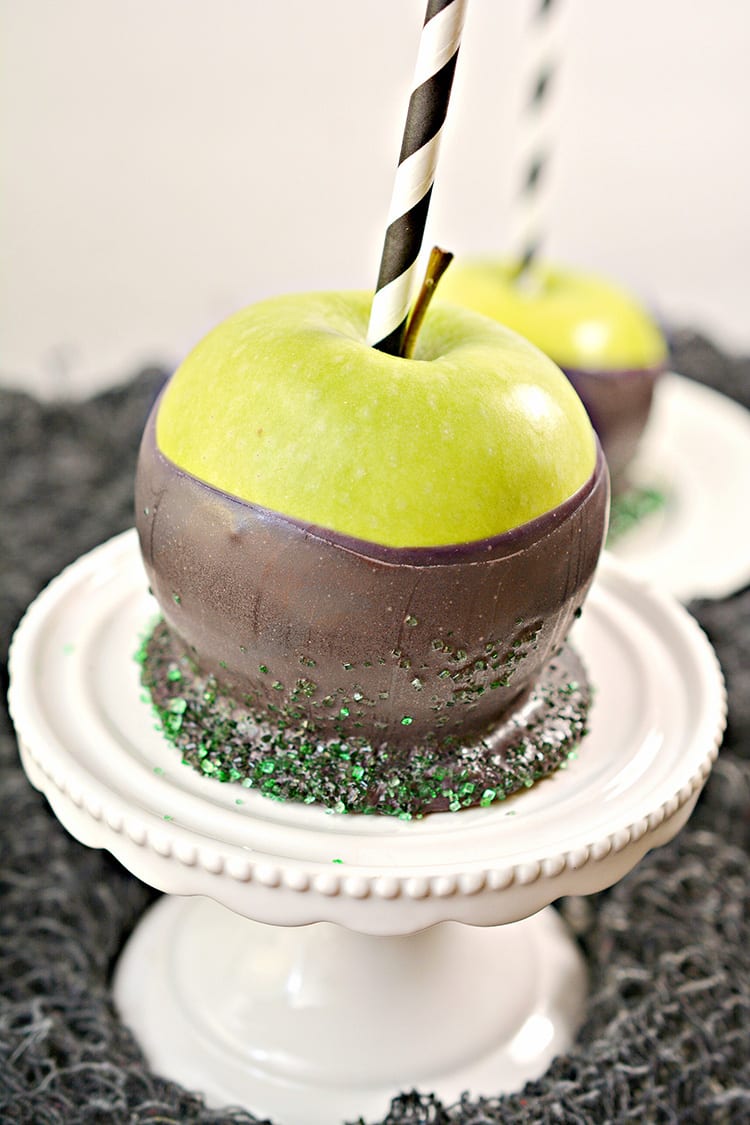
[{"x": 539, "y": 84}]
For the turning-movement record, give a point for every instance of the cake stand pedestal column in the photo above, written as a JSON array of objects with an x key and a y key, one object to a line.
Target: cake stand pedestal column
[{"x": 323, "y": 1024}]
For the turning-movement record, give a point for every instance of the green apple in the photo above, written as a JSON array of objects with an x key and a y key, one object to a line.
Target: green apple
[
  {"x": 581, "y": 320},
  {"x": 286, "y": 406}
]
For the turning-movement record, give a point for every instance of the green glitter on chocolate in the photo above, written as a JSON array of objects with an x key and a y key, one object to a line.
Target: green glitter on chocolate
[
  {"x": 176, "y": 599},
  {"x": 285, "y": 759}
]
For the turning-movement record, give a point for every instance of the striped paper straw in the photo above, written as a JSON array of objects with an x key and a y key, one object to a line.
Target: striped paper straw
[
  {"x": 539, "y": 83},
  {"x": 428, "y": 105}
]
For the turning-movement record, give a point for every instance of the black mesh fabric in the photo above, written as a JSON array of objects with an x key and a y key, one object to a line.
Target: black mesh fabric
[{"x": 667, "y": 1035}]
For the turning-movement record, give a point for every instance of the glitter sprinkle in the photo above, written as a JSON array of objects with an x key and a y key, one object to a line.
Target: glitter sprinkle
[
  {"x": 176, "y": 599},
  {"x": 629, "y": 508},
  {"x": 284, "y": 759}
]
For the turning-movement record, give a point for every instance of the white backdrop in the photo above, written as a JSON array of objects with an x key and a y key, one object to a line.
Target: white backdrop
[{"x": 165, "y": 161}]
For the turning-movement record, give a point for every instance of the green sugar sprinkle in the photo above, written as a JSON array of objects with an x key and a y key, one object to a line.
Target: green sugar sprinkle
[
  {"x": 631, "y": 507},
  {"x": 282, "y": 756}
]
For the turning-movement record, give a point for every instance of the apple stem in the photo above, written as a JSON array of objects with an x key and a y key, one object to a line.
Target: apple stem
[{"x": 436, "y": 267}]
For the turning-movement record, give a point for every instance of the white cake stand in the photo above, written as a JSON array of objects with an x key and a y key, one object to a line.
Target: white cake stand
[
  {"x": 696, "y": 451},
  {"x": 392, "y": 989}
]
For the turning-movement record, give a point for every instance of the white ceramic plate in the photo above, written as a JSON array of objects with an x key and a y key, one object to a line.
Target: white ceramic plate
[{"x": 696, "y": 450}]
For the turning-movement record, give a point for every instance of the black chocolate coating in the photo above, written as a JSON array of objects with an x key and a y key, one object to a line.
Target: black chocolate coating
[
  {"x": 393, "y": 645},
  {"x": 618, "y": 404}
]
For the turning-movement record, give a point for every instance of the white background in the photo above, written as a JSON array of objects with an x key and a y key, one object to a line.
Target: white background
[{"x": 166, "y": 161}]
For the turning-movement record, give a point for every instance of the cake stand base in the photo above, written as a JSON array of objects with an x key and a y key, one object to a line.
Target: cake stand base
[{"x": 322, "y": 1024}]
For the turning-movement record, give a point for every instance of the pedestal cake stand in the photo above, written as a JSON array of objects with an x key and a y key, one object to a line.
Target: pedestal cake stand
[{"x": 436, "y": 960}]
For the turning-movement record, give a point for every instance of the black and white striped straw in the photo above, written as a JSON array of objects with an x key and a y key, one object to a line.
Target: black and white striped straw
[
  {"x": 428, "y": 106},
  {"x": 539, "y": 82}
]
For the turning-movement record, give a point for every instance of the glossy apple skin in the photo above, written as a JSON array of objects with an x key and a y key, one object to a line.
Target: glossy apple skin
[
  {"x": 285, "y": 405},
  {"x": 396, "y": 645},
  {"x": 602, "y": 338}
]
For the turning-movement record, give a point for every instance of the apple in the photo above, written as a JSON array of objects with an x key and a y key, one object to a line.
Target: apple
[
  {"x": 602, "y": 338},
  {"x": 284, "y": 405},
  {"x": 383, "y": 548}
]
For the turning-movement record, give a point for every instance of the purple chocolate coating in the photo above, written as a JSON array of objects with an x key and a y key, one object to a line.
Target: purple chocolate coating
[
  {"x": 618, "y": 404},
  {"x": 396, "y": 645}
]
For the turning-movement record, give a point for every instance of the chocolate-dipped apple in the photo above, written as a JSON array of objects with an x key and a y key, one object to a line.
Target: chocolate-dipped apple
[
  {"x": 361, "y": 550},
  {"x": 602, "y": 338}
]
